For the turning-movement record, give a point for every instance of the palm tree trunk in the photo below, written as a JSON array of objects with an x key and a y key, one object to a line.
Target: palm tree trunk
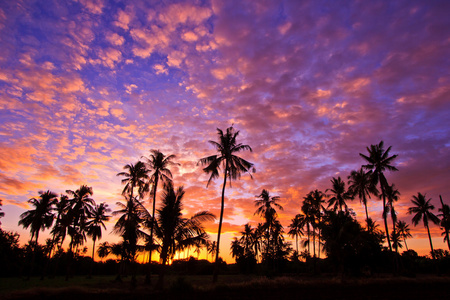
[
  {"x": 404, "y": 240},
  {"x": 296, "y": 242},
  {"x": 222, "y": 205},
  {"x": 431, "y": 243},
  {"x": 148, "y": 279},
  {"x": 365, "y": 206}
]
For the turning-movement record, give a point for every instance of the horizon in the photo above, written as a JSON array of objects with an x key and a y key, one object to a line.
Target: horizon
[{"x": 90, "y": 86}]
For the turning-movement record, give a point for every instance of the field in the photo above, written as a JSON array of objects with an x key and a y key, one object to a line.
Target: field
[{"x": 229, "y": 287}]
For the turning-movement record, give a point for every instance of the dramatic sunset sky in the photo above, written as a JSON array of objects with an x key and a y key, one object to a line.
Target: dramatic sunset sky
[{"x": 88, "y": 86}]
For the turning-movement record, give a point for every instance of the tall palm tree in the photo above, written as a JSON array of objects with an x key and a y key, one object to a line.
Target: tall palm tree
[
  {"x": 361, "y": 184},
  {"x": 266, "y": 208},
  {"x": 59, "y": 230},
  {"x": 246, "y": 240},
  {"x": 392, "y": 195},
  {"x": 237, "y": 250},
  {"x": 233, "y": 165},
  {"x": 445, "y": 221},
  {"x": 422, "y": 212},
  {"x": 338, "y": 195},
  {"x": 81, "y": 207},
  {"x": 159, "y": 163},
  {"x": 403, "y": 231},
  {"x": 379, "y": 161},
  {"x": 296, "y": 228},
  {"x": 94, "y": 226},
  {"x": 41, "y": 217},
  {"x": 309, "y": 212},
  {"x": 174, "y": 231}
]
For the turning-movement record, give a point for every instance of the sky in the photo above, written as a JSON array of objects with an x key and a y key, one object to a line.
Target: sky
[{"x": 88, "y": 86}]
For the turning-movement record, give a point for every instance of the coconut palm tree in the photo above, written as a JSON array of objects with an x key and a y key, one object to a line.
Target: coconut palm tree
[
  {"x": 403, "y": 231},
  {"x": 246, "y": 240},
  {"x": 445, "y": 221},
  {"x": 80, "y": 209},
  {"x": 136, "y": 176},
  {"x": 296, "y": 228},
  {"x": 360, "y": 183},
  {"x": 103, "y": 250},
  {"x": 233, "y": 165},
  {"x": 392, "y": 195},
  {"x": 174, "y": 231},
  {"x": 379, "y": 161},
  {"x": 266, "y": 208},
  {"x": 422, "y": 212},
  {"x": 41, "y": 217},
  {"x": 338, "y": 195},
  {"x": 160, "y": 164},
  {"x": 95, "y": 224},
  {"x": 59, "y": 230}
]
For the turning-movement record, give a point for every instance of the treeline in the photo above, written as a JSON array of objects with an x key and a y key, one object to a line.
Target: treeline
[{"x": 325, "y": 223}]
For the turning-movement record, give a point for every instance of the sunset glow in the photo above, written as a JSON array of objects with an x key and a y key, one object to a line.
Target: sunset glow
[{"x": 88, "y": 86}]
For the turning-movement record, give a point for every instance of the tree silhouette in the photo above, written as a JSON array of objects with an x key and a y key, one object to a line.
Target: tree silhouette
[
  {"x": 392, "y": 195},
  {"x": 174, "y": 231},
  {"x": 422, "y": 212},
  {"x": 41, "y": 217},
  {"x": 338, "y": 195},
  {"x": 136, "y": 176},
  {"x": 296, "y": 228},
  {"x": 233, "y": 165},
  {"x": 266, "y": 208},
  {"x": 361, "y": 185},
  {"x": 379, "y": 161},
  {"x": 403, "y": 231},
  {"x": 103, "y": 250},
  {"x": 159, "y": 163},
  {"x": 445, "y": 221},
  {"x": 95, "y": 224}
]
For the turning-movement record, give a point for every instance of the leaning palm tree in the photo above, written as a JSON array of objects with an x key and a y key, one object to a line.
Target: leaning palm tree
[
  {"x": 445, "y": 221},
  {"x": 338, "y": 195},
  {"x": 361, "y": 184},
  {"x": 41, "y": 217},
  {"x": 233, "y": 165},
  {"x": 379, "y": 161},
  {"x": 403, "y": 231},
  {"x": 95, "y": 224},
  {"x": 159, "y": 163},
  {"x": 422, "y": 212}
]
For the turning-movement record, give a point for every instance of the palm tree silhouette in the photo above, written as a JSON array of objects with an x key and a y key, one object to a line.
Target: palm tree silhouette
[
  {"x": 266, "y": 205},
  {"x": 159, "y": 163},
  {"x": 59, "y": 230},
  {"x": 296, "y": 228},
  {"x": 445, "y": 221},
  {"x": 103, "y": 250},
  {"x": 233, "y": 165},
  {"x": 41, "y": 217},
  {"x": 379, "y": 161},
  {"x": 174, "y": 231},
  {"x": 246, "y": 240},
  {"x": 361, "y": 184},
  {"x": 422, "y": 212},
  {"x": 94, "y": 226},
  {"x": 81, "y": 207},
  {"x": 403, "y": 231},
  {"x": 136, "y": 176},
  {"x": 392, "y": 195},
  {"x": 338, "y": 195}
]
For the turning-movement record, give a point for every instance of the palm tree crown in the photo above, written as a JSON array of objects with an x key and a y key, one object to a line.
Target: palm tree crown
[
  {"x": 42, "y": 216},
  {"x": 98, "y": 219},
  {"x": 360, "y": 184},
  {"x": 233, "y": 165},
  {"x": 136, "y": 176},
  {"x": 338, "y": 195}
]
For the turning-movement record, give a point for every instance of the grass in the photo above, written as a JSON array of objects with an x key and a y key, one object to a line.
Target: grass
[{"x": 229, "y": 287}]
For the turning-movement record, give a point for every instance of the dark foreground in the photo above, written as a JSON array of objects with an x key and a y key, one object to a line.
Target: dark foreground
[{"x": 429, "y": 287}]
